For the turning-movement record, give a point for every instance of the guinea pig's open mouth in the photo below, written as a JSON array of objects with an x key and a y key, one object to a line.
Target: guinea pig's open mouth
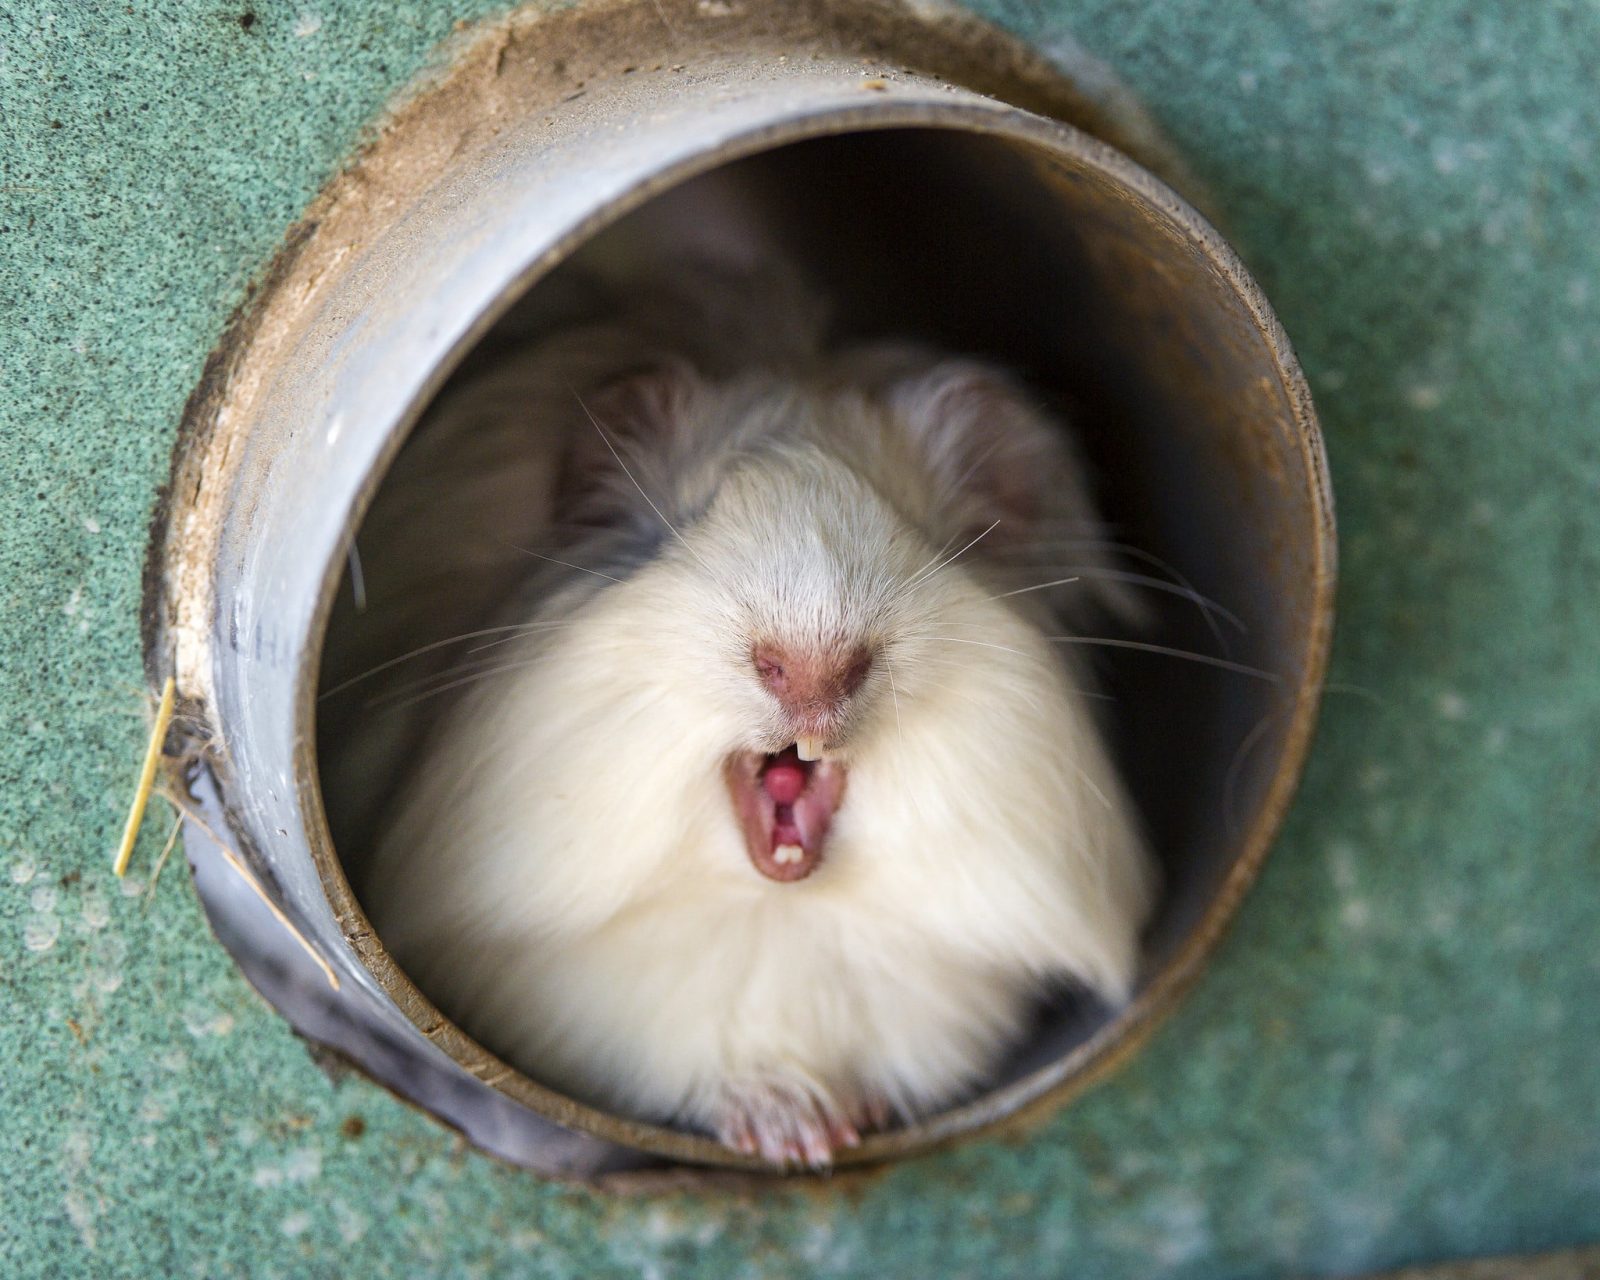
[{"x": 784, "y": 805}]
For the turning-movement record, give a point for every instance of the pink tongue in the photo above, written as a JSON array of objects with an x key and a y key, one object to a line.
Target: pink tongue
[{"x": 784, "y": 781}]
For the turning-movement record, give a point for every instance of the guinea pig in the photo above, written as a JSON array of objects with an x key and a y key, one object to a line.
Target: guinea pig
[{"x": 773, "y": 811}]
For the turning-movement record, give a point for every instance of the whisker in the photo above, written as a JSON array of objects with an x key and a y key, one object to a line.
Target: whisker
[
  {"x": 434, "y": 680},
  {"x": 982, "y": 644},
  {"x": 1142, "y": 646},
  {"x": 961, "y": 693},
  {"x": 1230, "y": 781},
  {"x": 427, "y": 648},
  {"x": 625, "y": 471},
  {"x": 495, "y": 644},
  {"x": 935, "y": 557},
  {"x": 1357, "y": 691},
  {"x": 436, "y": 677},
  {"x": 1136, "y": 553},
  {"x": 1038, "y": 586},
  {"x": 923, "y": 577},
  {"x": 1203, "y": 603},
  {"x": 500, "y": 669},
  {"x": 976, "y": 466},
  {"x": 565, "y": 564},
  {"x": 895, "y": 695}
]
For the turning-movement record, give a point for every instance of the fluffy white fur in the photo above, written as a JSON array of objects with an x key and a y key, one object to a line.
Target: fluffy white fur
[{"x": 563, "y": 873}]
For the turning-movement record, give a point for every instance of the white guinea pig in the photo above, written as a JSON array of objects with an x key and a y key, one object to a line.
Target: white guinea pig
[{"x": 776, "y": 812}]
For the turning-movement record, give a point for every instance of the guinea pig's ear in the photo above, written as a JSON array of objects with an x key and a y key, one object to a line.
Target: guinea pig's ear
[
  {"x": 641, "y": 409},
  {"x": 629, "y": 435},
  {"x": 991, "y": 450},
  {"x": 999, "y": 459}
]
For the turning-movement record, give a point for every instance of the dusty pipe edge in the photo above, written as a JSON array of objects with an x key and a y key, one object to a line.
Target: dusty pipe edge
[{"x": 347, "y": 228}]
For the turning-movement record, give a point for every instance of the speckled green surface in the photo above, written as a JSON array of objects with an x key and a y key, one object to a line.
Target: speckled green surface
[{"x": 1394, "y": 1057}]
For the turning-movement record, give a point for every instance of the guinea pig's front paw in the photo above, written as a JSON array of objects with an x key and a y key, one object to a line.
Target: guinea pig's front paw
[{"x": 789, "y": 1125}]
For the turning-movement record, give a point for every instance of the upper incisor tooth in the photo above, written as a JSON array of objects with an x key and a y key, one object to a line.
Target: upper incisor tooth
[{"x": 808, "y": 748}]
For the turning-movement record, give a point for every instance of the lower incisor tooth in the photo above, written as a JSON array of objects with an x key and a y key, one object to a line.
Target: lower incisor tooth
[
  {"x": 786, "y": 853},
  {"x": 808, "y": 748}
]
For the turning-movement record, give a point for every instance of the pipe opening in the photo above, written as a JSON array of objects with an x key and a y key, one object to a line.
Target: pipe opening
[{"x": 976, "y": 247}]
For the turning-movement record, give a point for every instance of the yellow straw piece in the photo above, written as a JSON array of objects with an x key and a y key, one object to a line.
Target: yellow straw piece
[{"x": 147, "y": 776}]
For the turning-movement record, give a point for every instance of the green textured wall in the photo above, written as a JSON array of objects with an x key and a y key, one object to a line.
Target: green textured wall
[{"x": 1392, "y": 1060}]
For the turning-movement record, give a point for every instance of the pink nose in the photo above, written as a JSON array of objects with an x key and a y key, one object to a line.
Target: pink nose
[{"x": 812, "y": 684}]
